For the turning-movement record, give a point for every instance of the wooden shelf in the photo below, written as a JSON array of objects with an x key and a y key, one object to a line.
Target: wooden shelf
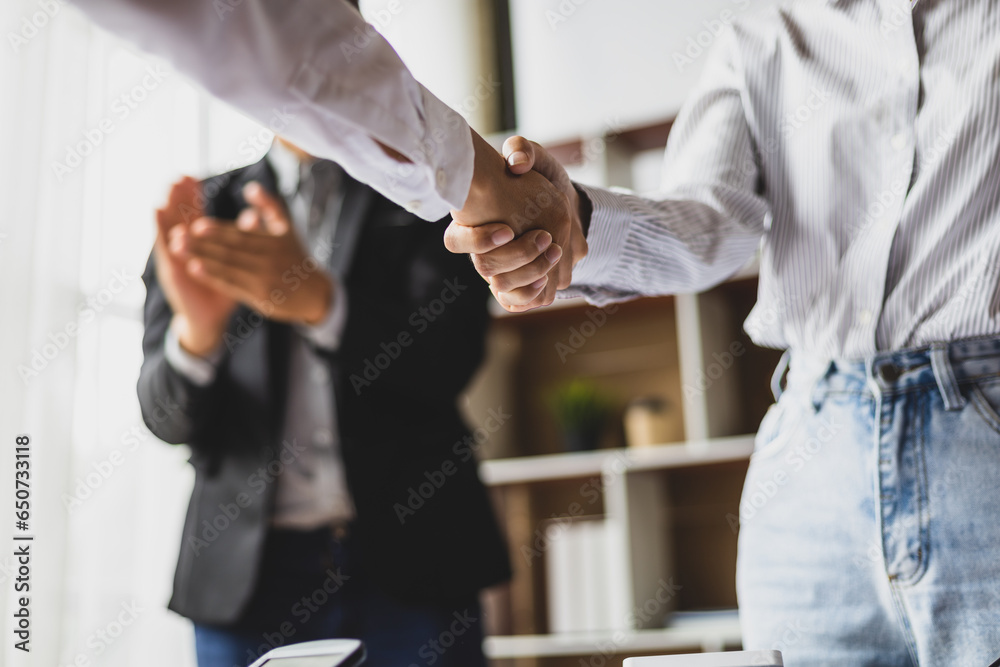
[
  {"x": 704, "y": 635},
  {"x": 525, "y": 469},
  {"x": 665, "y": 511}
]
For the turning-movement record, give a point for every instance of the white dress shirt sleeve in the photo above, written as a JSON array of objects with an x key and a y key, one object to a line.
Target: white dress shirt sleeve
[
  {"x": 317, "y": 73},
  {"x": 200, "y": 371},
  {"x": 708, "y": 218},
  {"x": 326, "y": 334}
]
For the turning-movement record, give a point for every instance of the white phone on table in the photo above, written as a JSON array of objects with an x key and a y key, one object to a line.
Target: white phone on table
[
  {"x": 322, "y": 653},
  {"x": 729, "y": 659}
]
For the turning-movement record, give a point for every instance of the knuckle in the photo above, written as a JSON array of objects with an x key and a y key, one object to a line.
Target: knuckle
[
  {"x": 482, "y": 265},
  {"x": 503, "y": 283}
]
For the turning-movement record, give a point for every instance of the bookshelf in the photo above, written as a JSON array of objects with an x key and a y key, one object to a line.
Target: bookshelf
[
  {"x": 709, "y": 634},
  {"x": 662, "y": 517}
]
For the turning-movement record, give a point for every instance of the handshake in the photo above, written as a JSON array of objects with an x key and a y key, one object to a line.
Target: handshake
[{"x": 521, "y": 224}]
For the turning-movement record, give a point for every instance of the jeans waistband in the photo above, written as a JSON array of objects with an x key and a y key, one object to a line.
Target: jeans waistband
[{"x": 946, "y": 365}]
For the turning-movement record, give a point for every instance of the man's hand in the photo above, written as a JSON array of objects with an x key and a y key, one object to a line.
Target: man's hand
[
  {"x": 259, "y": 261},
  {"x": 200, "y": 313},
  {"x": 526, "y": 272}
]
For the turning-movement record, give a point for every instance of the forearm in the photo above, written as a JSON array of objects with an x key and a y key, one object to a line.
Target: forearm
[
  {"x": 688, "y": 242},
  {"x": 298, "y": 68},
  {"x": 325, "y": 334},
  {"x": 172, "y": 406}
]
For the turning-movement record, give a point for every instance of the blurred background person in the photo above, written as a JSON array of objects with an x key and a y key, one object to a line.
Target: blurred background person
[{"x": 311, "y": 354}]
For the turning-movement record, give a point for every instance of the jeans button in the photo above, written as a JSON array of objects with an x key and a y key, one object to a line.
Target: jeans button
[{"x": 889, "y": 373}]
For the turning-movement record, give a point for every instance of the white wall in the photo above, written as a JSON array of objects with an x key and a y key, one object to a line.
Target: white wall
[
  {"x": 583, "y": 67},
  {"x": 448, "y": 46}
]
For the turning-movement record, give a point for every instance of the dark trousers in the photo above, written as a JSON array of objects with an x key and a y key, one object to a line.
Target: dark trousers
[{"x": 312, "y": 585}]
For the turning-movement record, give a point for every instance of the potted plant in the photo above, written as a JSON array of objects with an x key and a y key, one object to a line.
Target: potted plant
[{"x": 582, "y": 412}]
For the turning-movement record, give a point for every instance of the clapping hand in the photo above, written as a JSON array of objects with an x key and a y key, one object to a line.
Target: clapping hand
[
  {"x": 259, "y": 261},
  {"x": 201, "y": 313}
]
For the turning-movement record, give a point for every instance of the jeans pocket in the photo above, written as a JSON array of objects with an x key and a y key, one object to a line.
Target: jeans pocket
[
  {"x": 773, "y": 433},
  {"x": 985, "y": 398}
]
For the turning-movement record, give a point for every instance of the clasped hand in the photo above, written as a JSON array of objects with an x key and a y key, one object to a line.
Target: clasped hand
[{"x": 521, "y": 224}]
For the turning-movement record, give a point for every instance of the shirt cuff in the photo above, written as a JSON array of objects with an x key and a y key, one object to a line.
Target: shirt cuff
[
  {"x": 200, "y": 371},
  {"x": 326, "y": 334},
  {"x": 609, "y": 226},
  {"x": 449, "y": 150}
]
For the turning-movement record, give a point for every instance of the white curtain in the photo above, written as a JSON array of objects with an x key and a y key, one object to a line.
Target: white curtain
[{"x": 92, "y": 134}]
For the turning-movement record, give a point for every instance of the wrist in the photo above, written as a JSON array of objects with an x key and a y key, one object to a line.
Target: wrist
[
  {"x": 198, "y": 339},
  {"x": 488, "y": 166},
  {"x": 585, "y": 209},
  {"x": 321, "y": 299}
]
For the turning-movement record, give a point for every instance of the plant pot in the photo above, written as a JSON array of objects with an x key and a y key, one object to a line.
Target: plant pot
[{"x": 581, "y": 440}]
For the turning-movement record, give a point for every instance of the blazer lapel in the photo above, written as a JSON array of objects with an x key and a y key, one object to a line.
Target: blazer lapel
[{"x": 357, "y": 200}]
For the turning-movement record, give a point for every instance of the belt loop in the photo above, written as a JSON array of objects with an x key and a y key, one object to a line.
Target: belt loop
[
  {"x": 779, "y": 375},
  {"x": 820, "y": 387},
  {"x": 945, "y": 376}
]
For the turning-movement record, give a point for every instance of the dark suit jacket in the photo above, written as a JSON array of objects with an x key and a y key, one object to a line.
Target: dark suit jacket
[{"x": 396, "y": 411}]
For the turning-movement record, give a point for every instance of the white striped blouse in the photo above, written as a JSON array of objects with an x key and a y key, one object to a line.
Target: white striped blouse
[{"x": 856, "y": 143}]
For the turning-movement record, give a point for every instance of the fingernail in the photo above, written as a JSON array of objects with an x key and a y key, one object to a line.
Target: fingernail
[
  {"x": 540, "y": 283},
  {"x": 553, "y": 254},
  {"x": 516, "y": 158},
  {"x": 502, "y": 236},
  {"x": 543, "y": 241}
]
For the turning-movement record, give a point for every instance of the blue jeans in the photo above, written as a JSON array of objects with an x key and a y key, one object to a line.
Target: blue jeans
[
  {"x": 870, "y": 516},
  {"x": 314, "y": 586}
]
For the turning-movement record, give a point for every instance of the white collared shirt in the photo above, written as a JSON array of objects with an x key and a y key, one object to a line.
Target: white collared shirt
[{"x": 857, "y": 144}]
